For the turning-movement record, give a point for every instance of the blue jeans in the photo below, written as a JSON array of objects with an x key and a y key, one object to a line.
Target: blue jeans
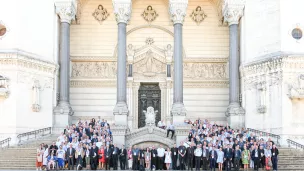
[{"x": 60, "y": 162}]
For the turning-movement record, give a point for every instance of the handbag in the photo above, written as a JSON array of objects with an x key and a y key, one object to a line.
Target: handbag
[
  {"x": 100, "y": 156},
  {"x": 269, "y": 163}
]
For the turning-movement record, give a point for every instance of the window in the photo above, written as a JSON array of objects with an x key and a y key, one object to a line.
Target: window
[{"x": 296, "y": 33}]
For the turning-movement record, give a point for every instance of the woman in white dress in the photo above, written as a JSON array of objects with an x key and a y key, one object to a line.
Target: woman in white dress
[
  {"x": 168, "y": 158},
  {"x": 220, "y": 158},
  {"x": 45, "y": 156}
]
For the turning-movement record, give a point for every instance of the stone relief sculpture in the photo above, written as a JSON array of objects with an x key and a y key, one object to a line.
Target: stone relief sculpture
[
  {"x": 100, "y": 14},
  {"x": 150, "y": 116},
  {"x": 130, "y": 51},
  {"x": 36, "y": 96},
  {"x": 200, "y": 70},
  {"x": 4, "y": 88},
  {"x": 94, "y": 69},
  {"x": 169, "y": 51},
  {"x": 149, "y": 14},
  {"x": 198, "y": 15}
]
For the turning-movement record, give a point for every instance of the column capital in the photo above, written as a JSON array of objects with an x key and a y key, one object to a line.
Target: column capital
[
  {"x": 233, "y": 10},
  {"x": 178, "y": 10},
  {"x": 122, "y": 10},
  {"x": 66, "y": 9}
]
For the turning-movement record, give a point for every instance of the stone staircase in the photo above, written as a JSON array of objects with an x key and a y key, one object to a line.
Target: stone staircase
[{"x": 24, "y": 157}]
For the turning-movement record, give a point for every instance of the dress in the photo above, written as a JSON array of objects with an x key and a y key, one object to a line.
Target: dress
[
  {"x": 45, "y": 156},
  {"x": 101, "y": 153},
  {"x": 245, "y": 157},
  {"x": 168, "y": 157},
  {"x": 220, "y": 157},
  {"x": 39, "y": 158}
]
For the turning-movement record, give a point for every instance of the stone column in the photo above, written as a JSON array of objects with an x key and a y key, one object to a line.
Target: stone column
[
  {"x": 177, "y": 11},
  {"x": 232, "y": 12},
  {"x": 63, "y": 111},
  {"x": 122, "y": 12}
]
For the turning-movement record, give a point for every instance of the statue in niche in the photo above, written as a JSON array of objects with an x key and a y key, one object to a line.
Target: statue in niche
[
  {"x": 131, "y": 51},
  {"x": 150, "y": 116},
  {"x": 149, "y": 14},
  {"x": 36, "y": 96},
  {"x": 169, "y": 51},
  {"x": 100, "y": 14},
  {"x": 198, "y": 15}
]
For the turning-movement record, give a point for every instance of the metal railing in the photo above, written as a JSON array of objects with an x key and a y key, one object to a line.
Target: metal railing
[
  {"x": 295, "y": 144},
  {"x": 5, "y": 143},
  {"x": 33, "y": 134},
  {"x": 274, "y": 137}
]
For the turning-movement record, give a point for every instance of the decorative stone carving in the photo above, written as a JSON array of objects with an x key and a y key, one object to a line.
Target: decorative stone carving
[
  {"x": 233, "y": 10},
  {"x": 36, "y": 96},
  {"x": 296, "y": 88},
  {"x": 205, "y": 71},
  {"x": 198, "y": 15},
  {"x": 149, "y": 41},
  {"x": 66, "y": 10},
  {"x": 130, "y": 51},
  {"x": 4, "y": 87},
  {"x": 100, "y": 14},
  {"x": 234, "y": 109},
  {"x": 169, "y": 53},
  {"x": 122, "y": 10},
  {"x": 177, "y": 10},
  {"x": 149, "y": 14},
  {"x": 150, "y": 116},
  {"x": 94, "y": 69}
]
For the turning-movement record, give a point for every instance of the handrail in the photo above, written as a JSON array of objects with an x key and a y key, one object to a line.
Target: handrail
[
  {"x": 296, "y": 144},
  {"x": 33, "y": 134},
  {"x": 275, "y": 136},
  {"x": 5, "y": 142}
]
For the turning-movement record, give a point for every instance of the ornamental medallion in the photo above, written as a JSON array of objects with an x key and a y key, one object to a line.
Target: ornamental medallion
[
  {"x": 198, "y": 15},
  {"x": 149, "y": 14},
  {"x": 100, "y": 14}
]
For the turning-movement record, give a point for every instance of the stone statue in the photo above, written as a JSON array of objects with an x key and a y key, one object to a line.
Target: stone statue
[
  {"x": 169, "y": 51},
  {"x": 150, "y": 116},
  {"x": 130, "y": 51}
]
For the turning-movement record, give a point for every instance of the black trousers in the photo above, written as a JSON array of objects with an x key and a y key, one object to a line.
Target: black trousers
[
  {"x": 262, "y": 162},
  {"x": 115, "y": 162},
  {"x": 135, "y": 165},
  {"x": 94, "y": 163},
  {"x": 205, "y": 163},
  {"x": 122, "y": 162},
  {"x": 153, "y": 162},
  {"x": 182, "y": 163},
  {"x": 236, "y": 164},
  {"x": 160, "y": 163},
  {"x": 174, "y": 163},
  {"x": 228, "y": 164},
  {"x": 190, "y": 162},
  {"x": 71, "y": 163},
  {"x": 256, "y": 163},
  {"x": 212, "y": 163},
  {"x": 172, "y": 131},
  {"x": 274, "y": 160},
  {"x": 197, "y": 163},
  {"x": 108, "y": 161}
]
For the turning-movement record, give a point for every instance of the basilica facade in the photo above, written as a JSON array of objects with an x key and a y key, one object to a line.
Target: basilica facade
[{"x": 228, "y": 61}]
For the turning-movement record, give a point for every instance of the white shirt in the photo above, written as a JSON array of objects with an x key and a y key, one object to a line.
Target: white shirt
[
  {"x": 171, "y": 127},
  {"x": 160, "y": 152},
  {"x": 198, "y": 152},
  {"x": 60, "y": 153},
  {"x": 160, "y": 124},
  {"x": 98, "y": 144}
]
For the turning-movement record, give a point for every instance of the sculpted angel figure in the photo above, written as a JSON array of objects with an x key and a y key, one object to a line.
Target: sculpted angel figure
[
  {"x": 150, "y": 116},
  {"x": 100, "y": 13},
  {"x": 198, "y": 15},
  {"x": 149, "y": 14}
]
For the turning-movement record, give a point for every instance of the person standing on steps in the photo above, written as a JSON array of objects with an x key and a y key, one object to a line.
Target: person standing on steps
[
  {"x": 174, "y": 152},
  {"x": 245, "y": 157},
  {"x": 274, "y": 158},
  {"x": 198, "y": 155},
  {"x": 123, "y": 157},
  {"x": 153, "y": 158},
  {"x": 228, "y": 158},
  {"x": 220, "y": 159},
  {"x": 190, "y": 155},
  {"x": 160, "y": 157},
  {"x": 168, "y": 159},
  {"x": 70, "y": 156},
  {"x": 212, "y": 158},
  {"x": 182, "y": 156},
  {"x": 135, "y": 154},
  {"x": 237, "y": 157}
]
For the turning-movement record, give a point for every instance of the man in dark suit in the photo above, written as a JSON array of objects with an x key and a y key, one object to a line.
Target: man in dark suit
[
  {"x": 256, "y": 157},
  {"x": 154, "y": 158},
  {"x": 212, "y": 158},
  {"x": 115, "y": 154},
  {"x": 237, "y": 158},
  {"x": 228, "y": 157},
  {"x": 174, "y": 153},
  {"x": 94, "y": 157},
  {"x": 274, "y": 158},
  {"x": 182, "y": 156},
  {"x": 108, "y": 155},
  {"x": 122, "y": 157},
  {"x": 190, "y": 155},
  {"x": 205, "y": 157},
  {"x": 70, "y": 156}
]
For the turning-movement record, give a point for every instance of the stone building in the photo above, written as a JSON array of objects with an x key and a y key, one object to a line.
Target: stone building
[{"x": 230, "y": 61}]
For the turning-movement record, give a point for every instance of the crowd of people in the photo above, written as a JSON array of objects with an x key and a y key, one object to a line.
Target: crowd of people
[{"x": 207, "y": 146}]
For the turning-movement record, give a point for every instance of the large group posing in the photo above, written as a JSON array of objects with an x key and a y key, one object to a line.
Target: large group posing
[{"x": 208, "y": 146}]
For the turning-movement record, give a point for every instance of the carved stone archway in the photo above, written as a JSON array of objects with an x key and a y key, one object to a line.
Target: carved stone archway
[{"x": 148, "y": 134}]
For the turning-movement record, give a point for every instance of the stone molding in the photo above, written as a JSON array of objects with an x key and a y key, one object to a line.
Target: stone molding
[
  {"x": 84, "y": 83},
  {"x": 24, "y": 60},
  {"x": 66, "y": 10},
  {"x": 177, "y": 10},
  {"x": 122, "y": 10},
  {"x": 80, "y": 6},
  {"x": 233, "y": 10}
]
